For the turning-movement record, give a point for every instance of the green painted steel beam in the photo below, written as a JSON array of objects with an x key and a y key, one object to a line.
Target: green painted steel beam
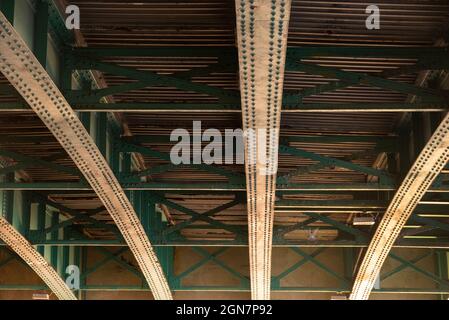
[
  {"x": 216, "y": 288},
  {"x": 235, "y": 177},
  {"x": 292, "y": 107},
  {"x": 28, "y": 161},
  {"x": 83, "y": 242},
  {"x": 358, "y": 234},
  {"x": 433, "y": 64},
  {"x": 7, "y": 8},
  {"x": 177, "y": 52},
  {"x": 296, "y": 52},
  {"x": 212, "y": 187},
  {"x": 275, "y": 280},
  {"x": 384, "y": 176},
  {"x": 150, "y": 107},
  {"x": 282, "y": 231},
  {"x": 208, "y": 213},
  {"x": 430, "y": 222},
  {"x": 171, "y": 81},
  {"x": 321, "y": 265},
  {"x": 101, "y": 132},
  {"x": 199, "y": 264},
  {"x": 41, "y": 217},
  {"x": 434, "y": 106},
  {"x": 383, "y": 141},
  {"x": 403, "y": 266},
  {"x": 361, "y": 78},
  {"x": 59, "y": 32},
  {"x": 368, "y": 52},
  {"x": 345, "y": 204},
  {"x": 8, "y": 199},
  {"x": 233, "y": 229},
  {"x": 121, "y": 262},
  {"x": 101, "y": 263},
  {"x": 225, "y": 64},
  {"x": 443, "y": 283},
  {"x": 41, "y": 31}
]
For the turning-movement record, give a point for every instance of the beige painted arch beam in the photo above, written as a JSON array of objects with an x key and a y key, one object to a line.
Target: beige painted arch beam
[
  {"x": 35, "y": 260},
  {"x": 426, "y": 168}
]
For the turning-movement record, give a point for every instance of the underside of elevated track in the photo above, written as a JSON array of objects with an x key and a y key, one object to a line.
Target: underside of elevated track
[{"x": 346, "y": 100}]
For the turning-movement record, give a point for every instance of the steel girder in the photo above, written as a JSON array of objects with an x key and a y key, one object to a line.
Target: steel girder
[
  {"x": 262, "y": 28},
  {"x": 89, "y": 100},
  {"x": 35, "y": 260},
  {"x": 295, "y": 52},
  {"x": 234, "y": 108},
  {"x": 22, "y": 69}
]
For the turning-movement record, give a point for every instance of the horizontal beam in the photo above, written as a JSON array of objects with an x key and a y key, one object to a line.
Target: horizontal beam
[
  {"x": 118, "y": 288},
  {"x": 235, "y": 107},
  {"x": 384, "y": 141},
  {"x": 404, "y": 244},
  {"x": 77, "y": 186}
]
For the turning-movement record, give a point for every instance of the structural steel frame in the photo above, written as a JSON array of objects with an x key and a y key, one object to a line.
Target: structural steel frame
[{"x": 80, "y": 61}]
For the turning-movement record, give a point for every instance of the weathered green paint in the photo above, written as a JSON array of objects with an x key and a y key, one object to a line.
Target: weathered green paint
[{"x": 41, "y": 32}]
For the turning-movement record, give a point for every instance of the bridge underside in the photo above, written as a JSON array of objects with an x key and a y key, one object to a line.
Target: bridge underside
[{"x": 359, "y": 107}]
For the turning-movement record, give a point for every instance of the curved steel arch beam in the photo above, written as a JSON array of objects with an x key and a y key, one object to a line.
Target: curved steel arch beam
[
  {"x": 35, "y": 260},
  {"x": 262, "y": 27},
  {"x": 24, "y": 72},
  {"x": 417, "y": 182}
]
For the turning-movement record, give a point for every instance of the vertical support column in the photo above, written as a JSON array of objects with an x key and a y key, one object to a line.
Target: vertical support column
[
  {"x": 418, "y": 141},
  {"x": 41, "y": 32},
  {"x": 435, "y": 120},
  {"x": 126, "y": 163},
  {"x": 84, "y": 266},
  {"x": 8, "y": 199},
  {"x": 85, "y": 117},
  {"x": 26, "y": 214},
  {"x": 154, "y": 222},
  {"x": 405, "y": 153},
  {"x": 54, "y": 236},
  {"x": 101, "y": 129},
  {"x": 166, "y": 256},
  {"x": 441, "y": 266},
  {"x": 78, "y": 262},
  {"x": 137, "y": 203},
  {"x": 85, "y": 120},
  {"x": 145, "y": 212},
  {"x": 65, "y": 260},
  {"x": 348, "y": 257},
  {"x": 114, "y": 133}
]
